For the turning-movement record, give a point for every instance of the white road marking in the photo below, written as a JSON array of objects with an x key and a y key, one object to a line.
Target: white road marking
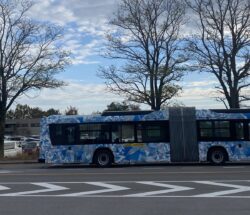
[
  {"x": 234, "y": 167},
  {"x": 153, "y": 168},
  {"x": 5, "y": 171},
  {"x": 50, "y": 188},
  {"x": 4, "y": 187},
  {"x": 172, "y": 188},
  {"x": 110, "y": 188},
  {"x": 238, "y": 189}
]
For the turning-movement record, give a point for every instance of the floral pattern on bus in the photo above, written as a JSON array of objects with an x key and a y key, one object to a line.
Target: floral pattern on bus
[
  {"x": 123, "y": 153},
  {"x": 208, "y": 114},
  {"x": 236, "y": 150}
]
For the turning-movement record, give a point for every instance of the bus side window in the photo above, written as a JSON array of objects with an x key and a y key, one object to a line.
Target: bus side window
[
  {"x": 205, "y": 130},
  {"x": 249, "y": 130},
  {"x": 94, "y": 133},
  {"x": 56, "y": 134},
  {"x": 153, "y": 132},
  {"x": 239, "y": 129},
  {"x": 70, "y": 132},
  {"x": 128, "y": 135},
  {"x": 222, "y": 129},
  {"x": 123, "y": 133},
  {"x": 116, "y": 133}
]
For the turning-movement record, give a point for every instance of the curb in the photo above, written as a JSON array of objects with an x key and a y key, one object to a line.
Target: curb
[{"x": 18, "y": 161}]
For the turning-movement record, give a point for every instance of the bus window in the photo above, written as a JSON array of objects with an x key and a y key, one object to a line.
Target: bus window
[
  {"x": 63, "y": 134},
  {"x": 94, "y": 133},
  {"x": 214, "y": 130},
  {"x": 70, "y": 132},
  {"x": 206, "y": 129},
  {"x": 153, "y": 132},
  {"x": 239, "y": 130},
  {"x": 116, "y": 133},
  {"x": 249, "y": 131},
  {"x": 128, "y": 135},
  {"x": 56, "y": 134},
  {"x": 123, "y": 133},
  {"x": 221, "y": 129}
]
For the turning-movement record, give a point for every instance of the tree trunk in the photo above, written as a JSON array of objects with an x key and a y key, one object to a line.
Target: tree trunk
[
  {"x": 234, "y": 99},
  {"x": 152, "y": 93},
  {"x": 2, "y": 128},
  {"x": 158, "y": 104}
]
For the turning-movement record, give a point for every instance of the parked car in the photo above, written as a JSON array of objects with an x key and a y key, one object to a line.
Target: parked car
[
  {"x": 12, "y": 148},
  {"x": 30, "y": 147},
  {"x": 13, "y": 138}
]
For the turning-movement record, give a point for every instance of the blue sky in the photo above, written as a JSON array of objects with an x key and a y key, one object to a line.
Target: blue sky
[{"x": 85, "y": 24}]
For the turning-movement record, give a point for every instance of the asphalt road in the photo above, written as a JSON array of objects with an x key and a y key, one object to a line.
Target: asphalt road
[{"x": 147, "y": 190}]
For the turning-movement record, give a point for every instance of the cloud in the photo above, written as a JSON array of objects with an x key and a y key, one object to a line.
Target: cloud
[
  {"x": 53, "y": 11},
  {"x": 80, "y": 53},
  {"x": 200, "y": 97},
  {"x": 85, "y": 24},
  {"x": 87, "y": 98},
  {"x": 204, "y": 83}
]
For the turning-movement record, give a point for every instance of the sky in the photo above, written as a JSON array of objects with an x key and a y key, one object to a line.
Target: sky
[{"x": 85, "y": 23}]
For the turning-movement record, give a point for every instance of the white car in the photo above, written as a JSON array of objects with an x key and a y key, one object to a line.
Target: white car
[{"x": 12, "y": 148}]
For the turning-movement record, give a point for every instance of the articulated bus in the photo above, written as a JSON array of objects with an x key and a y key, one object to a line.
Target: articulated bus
[{"x": 172, "y": 135}]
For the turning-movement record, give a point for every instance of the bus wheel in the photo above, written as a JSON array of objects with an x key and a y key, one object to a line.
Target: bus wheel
[
  {"x": 103, "y": 158},
  {"x": 217, "y": 156}
]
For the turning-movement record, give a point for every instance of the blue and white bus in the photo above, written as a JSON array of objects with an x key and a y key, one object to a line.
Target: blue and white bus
[{"x": 172, "y": 135}]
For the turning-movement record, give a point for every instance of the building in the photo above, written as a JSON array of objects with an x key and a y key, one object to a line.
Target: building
[{"x": 23, "y": 127}]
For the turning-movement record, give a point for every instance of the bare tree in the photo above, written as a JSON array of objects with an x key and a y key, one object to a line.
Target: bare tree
[
  {"x": 71, "y": 111},
  {"x": 122, "y": 106},
  {"x": 30, "y": 56},
  {"x": 148, "y": 44},
  {"x": 222, "y": 46}
]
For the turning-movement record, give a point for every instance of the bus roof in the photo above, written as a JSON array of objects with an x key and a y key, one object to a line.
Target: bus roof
[
  {"x": 231, "y": 110},
  {"x": 133, "y": 116},
  {"x": 111, "y": 117},
  {"x": 126, "y": 113}
]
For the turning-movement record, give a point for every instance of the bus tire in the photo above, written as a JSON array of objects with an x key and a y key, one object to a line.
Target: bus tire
[
  {"x": 217, "y": 156},
  {"x": 103, "y": 158}
]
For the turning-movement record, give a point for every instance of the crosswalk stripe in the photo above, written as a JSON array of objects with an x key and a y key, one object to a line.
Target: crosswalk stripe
[
  {"x": 110, "y": 188},
  {"x": 172, "y": 188},
  {"x": 4, "y": 187},
  {"x": 238, "y": 189},
  {"x": 50, "y": 188},
  {"x": 107, "y": 189},
  {"x": 5, "y": 171}
]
